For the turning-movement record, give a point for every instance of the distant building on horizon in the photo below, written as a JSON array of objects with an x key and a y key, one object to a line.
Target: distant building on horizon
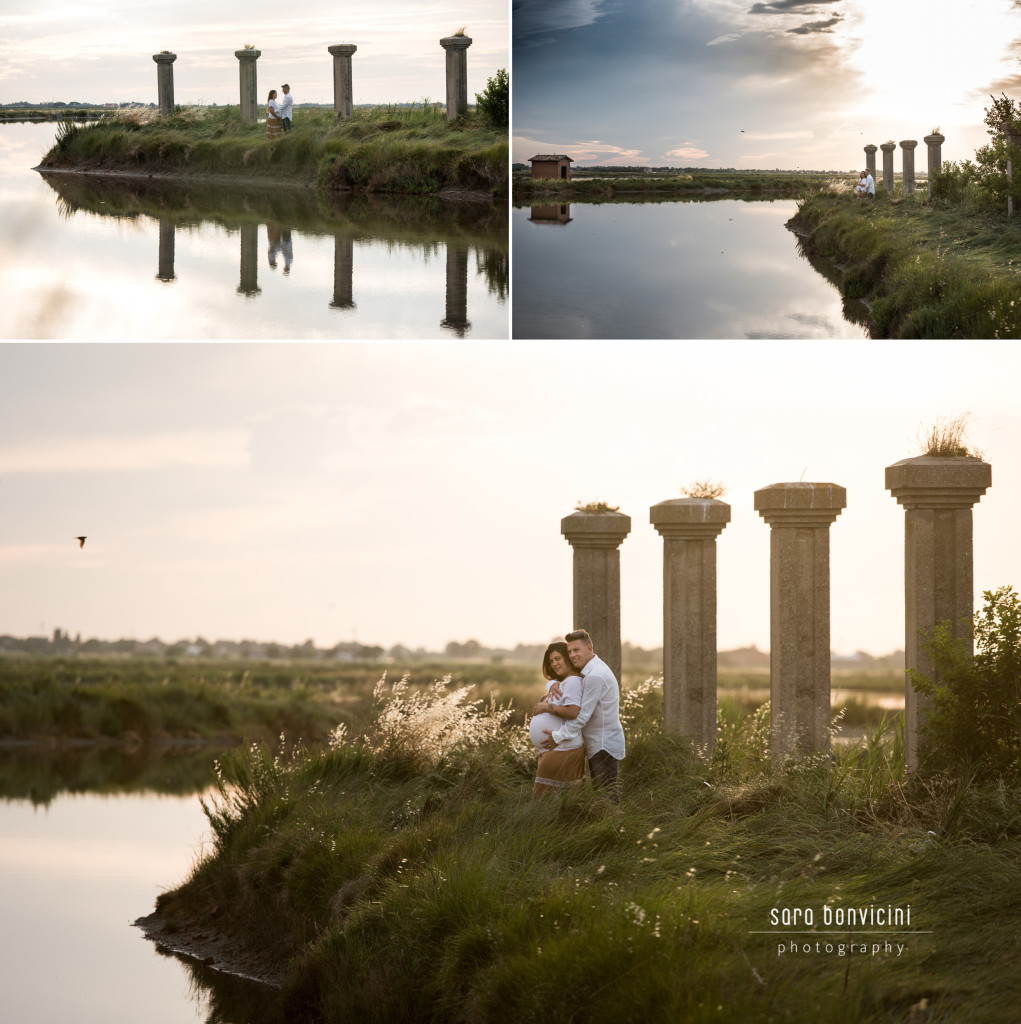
[{"x": 551, "y": 165}]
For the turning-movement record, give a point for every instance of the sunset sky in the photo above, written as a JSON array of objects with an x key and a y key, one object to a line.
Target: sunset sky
[
  {"x": 103, "y": 53},
  {"x": 737, "y": 83},
  {"x": 412, "y": 492}
]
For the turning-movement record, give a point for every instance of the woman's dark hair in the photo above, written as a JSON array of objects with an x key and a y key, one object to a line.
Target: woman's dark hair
[
  {"x": 272, "y": 93},
  {"x": 561, "y": 648}
]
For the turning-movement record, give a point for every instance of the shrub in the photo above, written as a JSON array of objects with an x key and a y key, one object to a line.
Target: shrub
[
  {"x": 494, "y": 102},
  {"x": 974, "y": 723}
]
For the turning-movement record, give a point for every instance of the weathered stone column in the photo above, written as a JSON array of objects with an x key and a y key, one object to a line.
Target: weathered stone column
[
  {"x": 888, "y": 148},
  {"x": 596, "y": 538},
  {"x": 937, "y": 495},
  {"x": 456, "y": 318},
  {"x": 343, "y": 272},
  {"x": 689, "y": 527},
  {"x": 1013, "y": 141},
  {"x": 908, "y": 165},
  {"x": 249, "y": 284},
  {"x": 165, "y": 81},
  {"x": 870, "y": 160},
  {"x": 168, "y": 235},
  {"x": 343, "y": 94},
  {"x": 457, "y": 73},
  {"x": 799, "y": 516},
  {"x": 249, "y": 84},
  {"x": 934, "y": 143}
]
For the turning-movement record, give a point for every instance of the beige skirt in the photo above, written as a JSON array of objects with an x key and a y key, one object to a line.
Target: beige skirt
[
  {"x": 273, "y": 127},
  {"x": 559, "y": 769}
]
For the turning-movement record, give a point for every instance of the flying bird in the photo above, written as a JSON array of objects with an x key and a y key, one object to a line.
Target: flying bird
[{"x": 81, "y": 541}]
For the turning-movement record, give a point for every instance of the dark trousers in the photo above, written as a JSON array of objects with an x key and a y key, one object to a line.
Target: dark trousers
[
  {"x": 286, "y": 124},
  {"x": 603, "y": 769}
]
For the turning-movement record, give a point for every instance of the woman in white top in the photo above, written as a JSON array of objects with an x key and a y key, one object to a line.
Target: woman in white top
[
  {"x": 861, "y": 188},
  {"x": 565, "y": 764},
  {"x": 272, "y": 116}
]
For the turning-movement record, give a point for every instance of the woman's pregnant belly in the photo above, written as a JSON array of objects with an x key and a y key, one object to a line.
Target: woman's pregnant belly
[{"x": 552, "y": 722}]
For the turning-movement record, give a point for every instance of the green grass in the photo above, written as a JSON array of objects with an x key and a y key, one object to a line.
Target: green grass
[
  {"x": 402, "y": 150},
  {"x": 440, "y": 892},
  {"x": 927, "y": 270}
]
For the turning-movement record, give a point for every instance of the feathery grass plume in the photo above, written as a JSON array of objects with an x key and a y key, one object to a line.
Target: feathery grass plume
[
  {"x": 249, "y": 46},
  {"x": 462, "y": 31},
  {"x": 596, "y": 506},
  {"x": 704, "y": 489},
  {"x": 948, "y": 438}
]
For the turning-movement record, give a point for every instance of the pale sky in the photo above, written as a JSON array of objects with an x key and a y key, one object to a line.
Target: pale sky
[
  {"x": 412, "y": 493},
  {"x": 102, "y": 53},
  {"x": 737, "y": 83}
]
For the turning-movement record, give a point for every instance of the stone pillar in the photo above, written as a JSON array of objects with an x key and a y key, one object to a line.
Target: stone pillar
[
  {"x": 343, "y": 272},
  {"x": 1013, "y": 141},
  {"x": 596, "y": 538},
  {"x": 168, "y": 233},
  {"x": 908, "y": 165},
  {"x": 165, "y": 81},
  {"x": 456, "y": 318},
  {"x": 689, "y": 527},
  {"x": 249, "y": 84},
  {"x": 249, "y": 284},
  {"x": 457, "y": 74},
  {"x": 343, "y": 94},
  {"x": 799, "y": 516},
  {"x": 870, "y": 160},
  {"x": 934, "y": 143},
  {"x": 888, "y": 148},
  {"x": 937, "y": 495}
]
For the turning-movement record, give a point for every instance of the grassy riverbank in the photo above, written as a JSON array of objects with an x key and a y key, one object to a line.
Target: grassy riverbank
[
  {"x": 528, "y": 190},
  {"x": 928, "y": 270},
  {"x": 383, "y": 150},
  {"x": 408, "y": 876}
]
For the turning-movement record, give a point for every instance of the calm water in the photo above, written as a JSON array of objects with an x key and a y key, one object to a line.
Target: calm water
[
  {"x": 711, "y": 269},
  {"x": 77, "y": 867},
  {"x": 125, "y": 259}
]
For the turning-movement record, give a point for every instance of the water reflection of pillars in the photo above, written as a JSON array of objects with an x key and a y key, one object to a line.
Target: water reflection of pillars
[
  {"x": 870, "y": 160},
  {"x": 165, "y": 81},
  {"x": 343, "y": 272},
  {"x": 908, "y": 163},
  {"x": 249, "y": 285},
  {"x": 888, "y": 148},
  {"x": 457, "y": 289},
  {"x": 167, "y": 234},
  {"x": 249, "y": 85},
  {"x": 934, "y": 144},
  {"x": 457, "y": 73},
  {"x": 343, "y": 93}
]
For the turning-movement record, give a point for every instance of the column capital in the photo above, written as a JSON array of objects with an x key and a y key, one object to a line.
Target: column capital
[
  {"x": 908, "y": 143},
  {"x": 340, "y": 49},
  {"x": 248, "y": 54},
  {"x": 800, "y": 504},
  {"x": 455, "y": 42},
  {"x": 689, "y": 518},
  {"x": 164, "y": 58},
  {"x": 595, "y": 529},
  {"x": 870, "y": 148},
  {"x": 934, "y": 140},
  {"x": 934, "y": 482},
  {"x": 887, "y": 147}
]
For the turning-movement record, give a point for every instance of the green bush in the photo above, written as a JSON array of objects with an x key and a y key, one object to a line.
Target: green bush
[
  {"x": 974, "y": 724},
  {"x": 494, "y": 102}
]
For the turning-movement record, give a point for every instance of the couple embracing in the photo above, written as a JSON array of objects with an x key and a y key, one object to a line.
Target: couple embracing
[{"x": 579, "y": 717}]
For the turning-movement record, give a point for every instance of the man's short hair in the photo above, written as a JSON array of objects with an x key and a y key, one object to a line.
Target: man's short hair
[
  {"x": 579, "y": 634},
  {"x": 285, "y": 86}
]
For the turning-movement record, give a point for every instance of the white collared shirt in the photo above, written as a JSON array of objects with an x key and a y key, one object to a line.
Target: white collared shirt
[
  {"x": 286, "y": 105},
  {"x": 599, "y": 717}
]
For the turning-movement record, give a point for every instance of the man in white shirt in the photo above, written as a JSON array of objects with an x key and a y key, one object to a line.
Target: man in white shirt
[
  {"x": 870, "y": 185},
  {"x": 599, "y": 717},
  {"x": 286, "y": 107}
]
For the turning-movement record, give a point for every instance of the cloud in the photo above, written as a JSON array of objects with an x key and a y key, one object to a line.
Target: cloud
[
  {"x": 729, "y": 38},
  {"x": 817, "y": 26},
  {"x": 532, "y": 17},
  {"x": 198, "y": 449},
  {"x": 789, "y": 6},
  {"x": 687, "y": 152}
]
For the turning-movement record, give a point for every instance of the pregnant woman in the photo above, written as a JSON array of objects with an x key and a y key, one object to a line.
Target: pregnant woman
[{"x": 565, "y": 764}]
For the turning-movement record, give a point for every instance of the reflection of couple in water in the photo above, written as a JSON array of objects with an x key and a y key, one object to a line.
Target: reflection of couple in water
[
  {"x": 279, "y": 245},
  {"x": 578, "y": 717}
]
